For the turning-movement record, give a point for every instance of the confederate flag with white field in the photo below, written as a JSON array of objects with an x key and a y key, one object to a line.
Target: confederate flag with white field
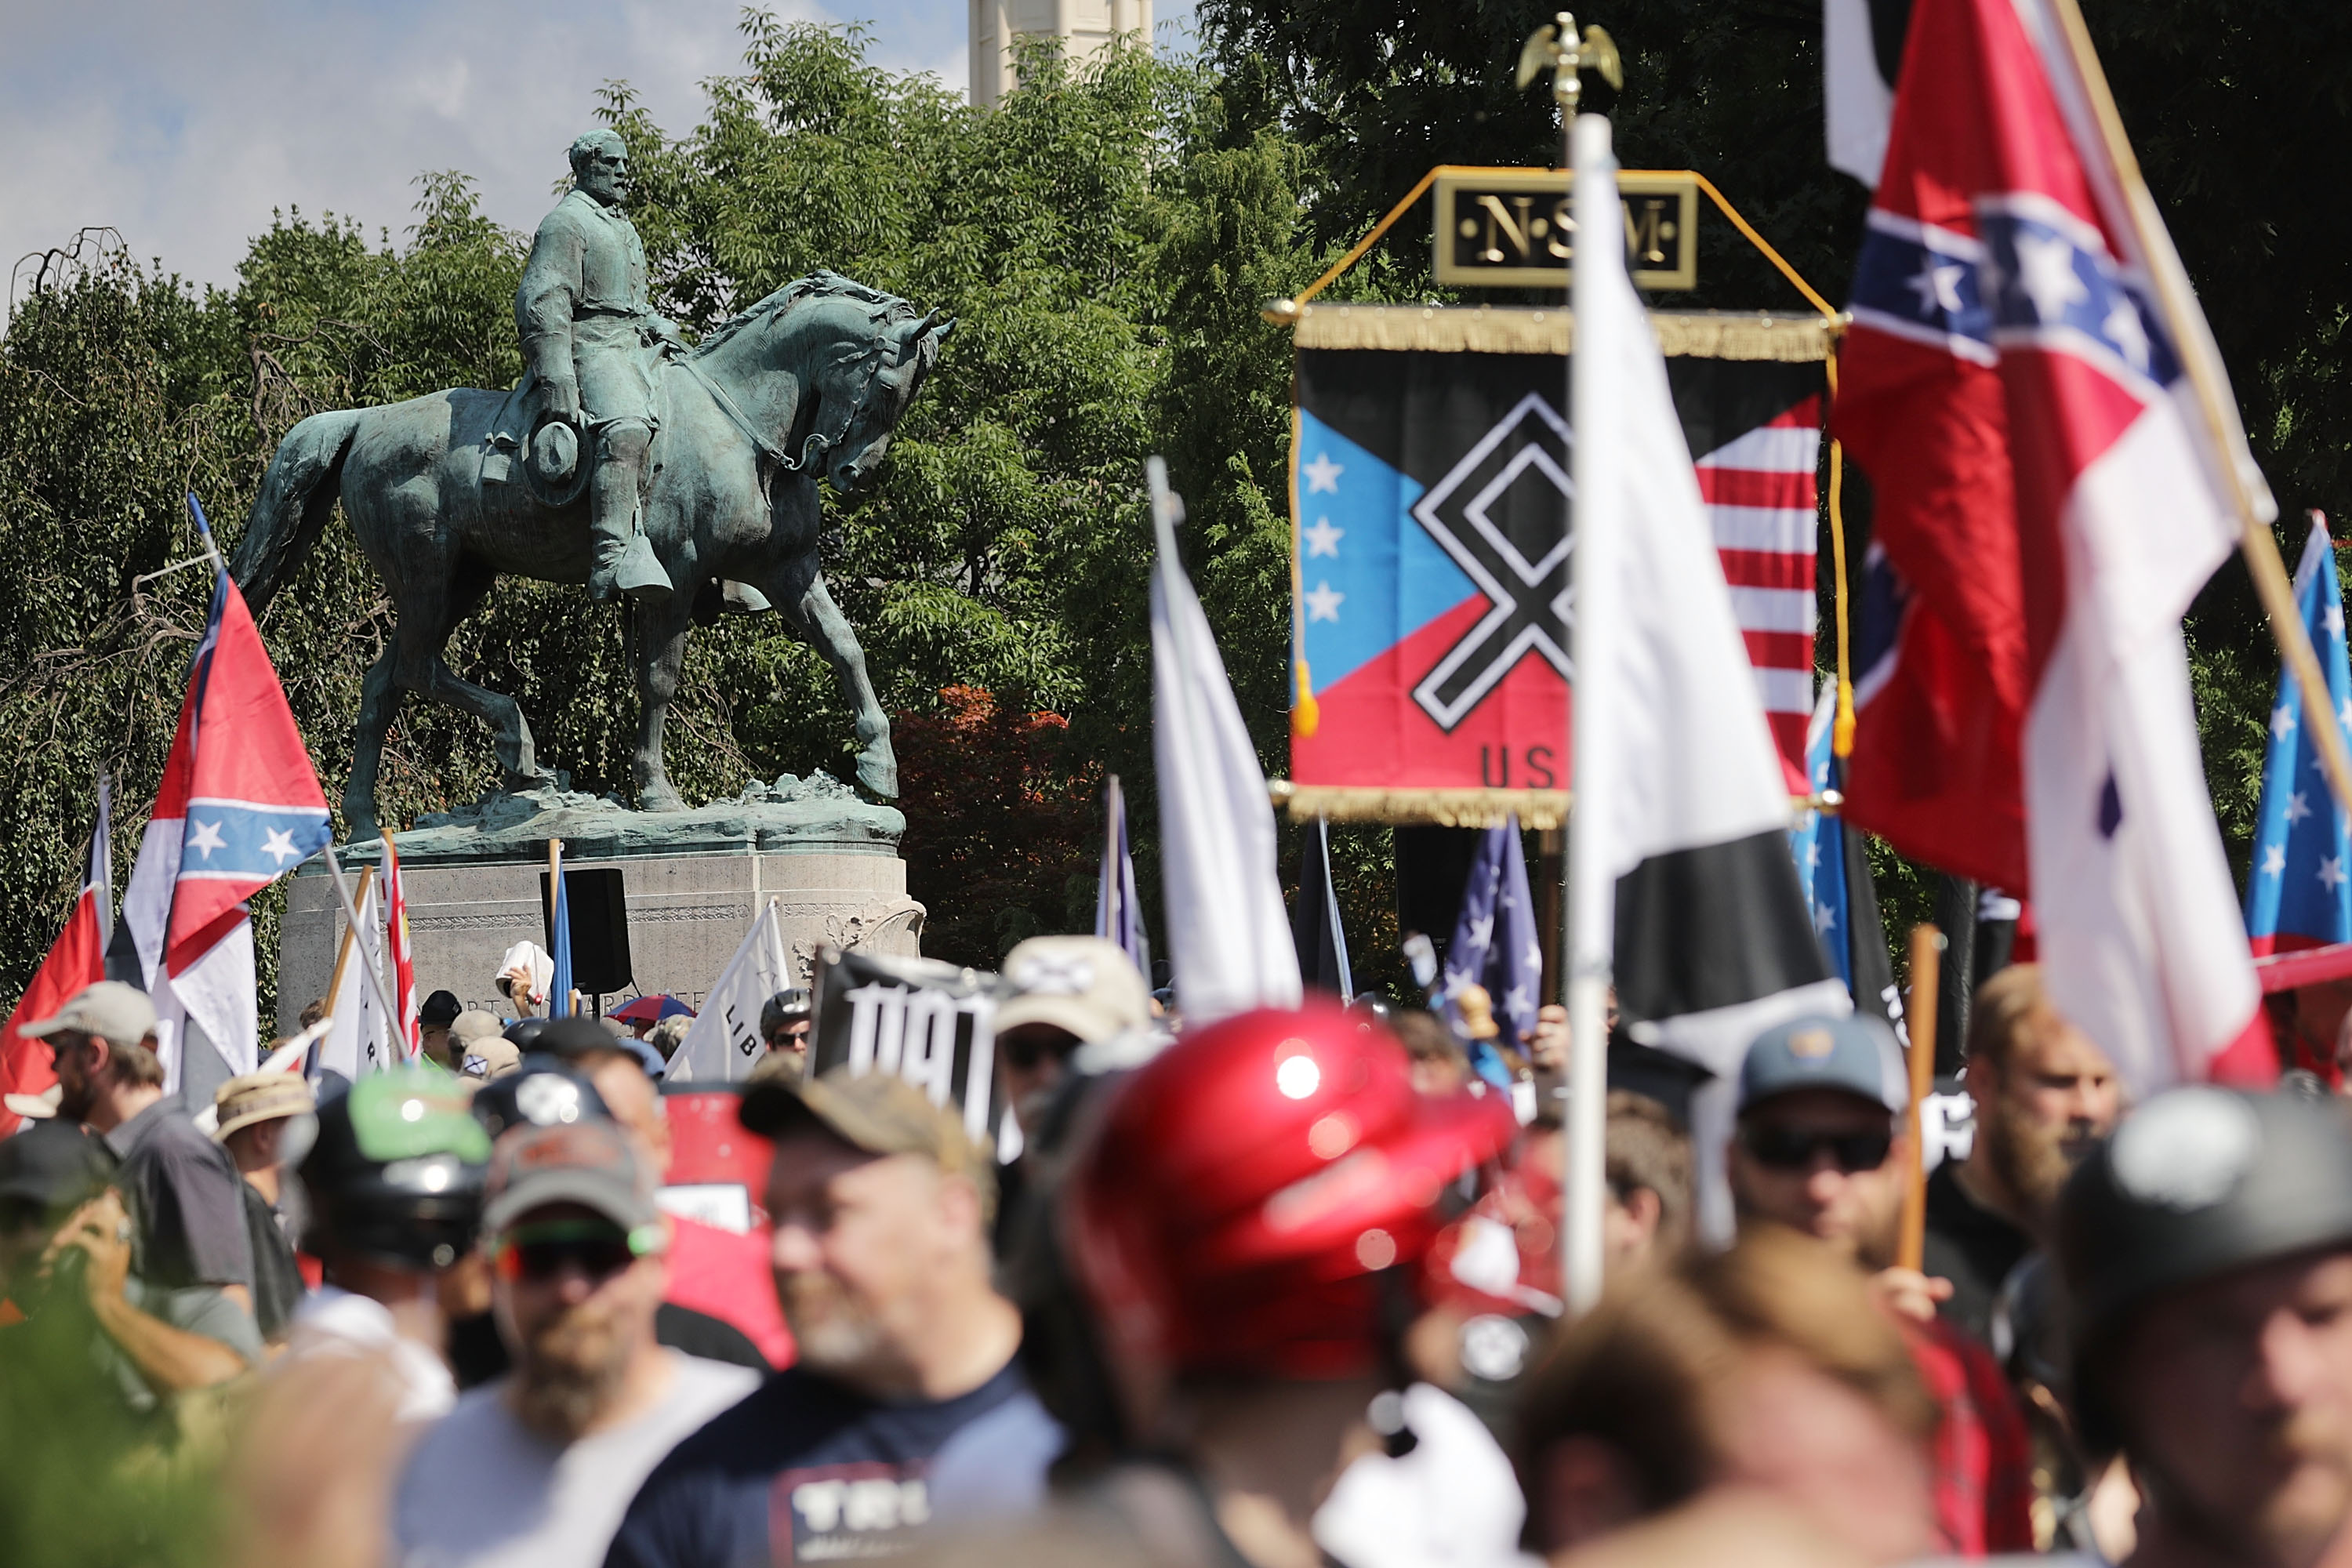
[
  {"x": 2050, "y": 502},
  {"x": 238, "y": 807}
]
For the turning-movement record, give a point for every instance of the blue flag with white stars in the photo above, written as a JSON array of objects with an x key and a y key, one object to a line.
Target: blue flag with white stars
[
  {"x": 2299, "y": 891},
  {"x": 1818, "y": 842},
  {"x": 1494, "y": 945}
]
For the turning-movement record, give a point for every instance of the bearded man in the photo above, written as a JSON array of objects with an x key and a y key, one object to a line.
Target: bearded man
[
  {"x": 908, "y": 1405},
  {"x": 2045, "y": 1096},
  {"x": 535, "y": 1466}
]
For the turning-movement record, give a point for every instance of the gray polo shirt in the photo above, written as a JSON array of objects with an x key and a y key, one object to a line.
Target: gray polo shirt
[{"x": 186, "y": 1199}]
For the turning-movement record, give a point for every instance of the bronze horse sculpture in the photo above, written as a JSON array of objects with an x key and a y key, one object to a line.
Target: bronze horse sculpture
[{"x": 809, "y": 381}]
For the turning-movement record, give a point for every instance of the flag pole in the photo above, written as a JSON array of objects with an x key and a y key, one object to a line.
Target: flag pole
[
  {"x": 351, "y": 919},
  {"x": 2174, "y": 299},
  {"x": 351, "y": 935},
  {"x": 1589, "y": 915},
  {"x": 1926, "y": 950}
]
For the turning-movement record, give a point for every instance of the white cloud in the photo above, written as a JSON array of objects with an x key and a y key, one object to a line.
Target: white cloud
[{"x": 183, "y": 125}]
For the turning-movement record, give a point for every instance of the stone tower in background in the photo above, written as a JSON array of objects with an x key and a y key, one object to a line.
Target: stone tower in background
[{"x": 1082, "y": 25}]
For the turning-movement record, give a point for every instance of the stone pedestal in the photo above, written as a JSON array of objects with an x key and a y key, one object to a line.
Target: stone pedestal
[{"x": 695, "y": 880}]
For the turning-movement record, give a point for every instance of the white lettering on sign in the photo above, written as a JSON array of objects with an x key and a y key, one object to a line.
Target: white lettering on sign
[{"x": 913, "y": 1033}]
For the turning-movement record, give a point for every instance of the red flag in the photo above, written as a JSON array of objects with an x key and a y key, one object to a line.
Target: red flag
[
  {"x": 2049, "y": 503},
  {"x": 403, "y": 965},
  {"x": 76, "y": 959}
]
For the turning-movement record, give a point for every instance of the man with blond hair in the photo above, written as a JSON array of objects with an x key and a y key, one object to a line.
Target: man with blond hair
[{"x": 2044, "y": 1096}]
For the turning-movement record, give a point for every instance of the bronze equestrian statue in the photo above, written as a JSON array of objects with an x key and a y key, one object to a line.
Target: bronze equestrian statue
[{"x": 623, "y": 460}]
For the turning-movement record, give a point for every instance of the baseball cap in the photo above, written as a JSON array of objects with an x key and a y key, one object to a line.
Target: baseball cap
[
  {"x": 37, "y": 1107},
  {"x": 474, "y": 1023},
  {"x": 572, "y": 1036},
  {"x": 261, "y": 1097},
  {"x": 879, "y": 1112},
  {"x": 110, "y": 1009},
  {"x": 540, "y": 1092},
  {"x": 493, "y": 1056},
  {"x": 588, "y": 1162},
  {"x": 53, "y": 1164},
  {"x": 1855, "y": 1055},
  {"x": 1081, "y": 984},
  {"x": 440, "y": 1008}
]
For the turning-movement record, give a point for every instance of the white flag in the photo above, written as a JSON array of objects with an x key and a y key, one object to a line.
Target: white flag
[
  {"x": 724, "y": 1042},
  {"x": 1857, "y": 95},
  {"x": 1228, "y": 932},
  {"x": 1680, "y": 836},
  {"x": 357, "y": 1039}
]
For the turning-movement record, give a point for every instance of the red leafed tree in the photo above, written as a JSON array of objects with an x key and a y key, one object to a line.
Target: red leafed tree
[{"x": 1001, "y": 835}]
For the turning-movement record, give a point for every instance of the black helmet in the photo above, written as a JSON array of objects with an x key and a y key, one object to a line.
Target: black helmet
[
  {"x": 397, "y": 1173},
  {"x": 2196, "y": 1184},
  {"x": 523, "y": 1031},
  {"x": 785, "y": 1006},
  {"x": 541, "y": 1091}
]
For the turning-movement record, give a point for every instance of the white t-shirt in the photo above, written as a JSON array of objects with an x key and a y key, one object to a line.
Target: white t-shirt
[
  {"x": 481, "y": 1490},
  {"x": 334, "y": 1322}
]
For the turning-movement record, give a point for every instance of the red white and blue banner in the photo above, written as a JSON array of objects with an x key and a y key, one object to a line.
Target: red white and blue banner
[
  {"x": 2048, "y": 503},
  {"x": 239, "y": 806},
  {"x": 1429, "y": 495},
  {"x": 2299, "y": 887}
]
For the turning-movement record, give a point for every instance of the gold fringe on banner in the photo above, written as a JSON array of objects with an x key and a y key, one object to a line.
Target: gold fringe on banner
[
  {"x": 1542, "y": 809},
  {"x": 1487, "y": 329},
  {"x": 1538, "y": 808}
]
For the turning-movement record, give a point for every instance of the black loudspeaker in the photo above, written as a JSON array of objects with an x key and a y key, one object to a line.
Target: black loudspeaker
[{"x": 600, "y": 927}]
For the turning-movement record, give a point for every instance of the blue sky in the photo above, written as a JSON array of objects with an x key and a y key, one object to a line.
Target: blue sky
[{"x": 182, "y": 123}]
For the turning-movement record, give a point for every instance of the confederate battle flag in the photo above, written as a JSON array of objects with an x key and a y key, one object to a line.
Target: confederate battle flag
[{"x": 2049, "y": 503}]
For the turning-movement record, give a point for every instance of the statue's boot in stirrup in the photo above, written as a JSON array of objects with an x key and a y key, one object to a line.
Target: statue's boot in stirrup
[{"x": 625, "y": 561}]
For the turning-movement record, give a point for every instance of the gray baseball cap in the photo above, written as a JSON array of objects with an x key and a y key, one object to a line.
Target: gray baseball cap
[
  {"x": 1857, "y": 1055},
  {"x": 110, "y": 1009},
  {"x": 587, "y": 1162}
]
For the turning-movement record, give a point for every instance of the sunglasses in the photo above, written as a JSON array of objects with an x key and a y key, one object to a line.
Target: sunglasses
[
  {"x": 538, "y": 1253},
  {"x": 1795, "y": 1149}
]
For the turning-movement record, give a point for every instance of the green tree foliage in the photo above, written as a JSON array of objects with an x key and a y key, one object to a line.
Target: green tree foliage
[{"x": 1103, "y": 238}]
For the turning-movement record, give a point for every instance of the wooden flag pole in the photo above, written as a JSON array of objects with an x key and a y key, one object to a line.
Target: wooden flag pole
[
  {"x": 351, "y": 934},
  {"x": 2190, "y": 339},
  {"x": 1927, "y": 955},
  {"x": 351, "y": 920}
]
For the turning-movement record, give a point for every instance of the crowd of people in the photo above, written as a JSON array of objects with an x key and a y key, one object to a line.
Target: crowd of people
[{"x": 1277, "y": 1290}]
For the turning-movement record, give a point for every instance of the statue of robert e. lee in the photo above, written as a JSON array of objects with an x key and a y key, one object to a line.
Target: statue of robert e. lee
[{"x": 586, "y": 323}]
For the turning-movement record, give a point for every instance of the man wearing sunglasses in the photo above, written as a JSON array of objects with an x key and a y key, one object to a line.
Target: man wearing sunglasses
[
  {"x": 536, "y": 1467},
  {"x": 1819, "y": 1147}
]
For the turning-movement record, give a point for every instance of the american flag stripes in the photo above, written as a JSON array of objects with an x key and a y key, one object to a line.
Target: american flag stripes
[{"x": 1760, "y": 489}]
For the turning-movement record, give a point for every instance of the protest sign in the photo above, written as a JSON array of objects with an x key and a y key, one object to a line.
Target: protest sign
[{"x": 932, "y": 1022}]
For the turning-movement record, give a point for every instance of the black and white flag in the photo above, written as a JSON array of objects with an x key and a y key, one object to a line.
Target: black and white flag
[{"x": 1682, "y": 885}]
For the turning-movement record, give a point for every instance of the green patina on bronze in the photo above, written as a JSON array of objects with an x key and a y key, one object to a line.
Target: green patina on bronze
[{"x": 687, "y": 479}]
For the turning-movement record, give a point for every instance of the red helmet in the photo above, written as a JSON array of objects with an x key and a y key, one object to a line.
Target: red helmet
[{"x": 1245, "y": 1185}]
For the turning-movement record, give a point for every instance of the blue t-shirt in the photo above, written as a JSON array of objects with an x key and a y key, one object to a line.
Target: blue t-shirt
[{"x": 847, "y": 1476}]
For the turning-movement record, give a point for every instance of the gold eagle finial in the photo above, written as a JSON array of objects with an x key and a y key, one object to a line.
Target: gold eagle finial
[{"x": 1556, "y": 45}]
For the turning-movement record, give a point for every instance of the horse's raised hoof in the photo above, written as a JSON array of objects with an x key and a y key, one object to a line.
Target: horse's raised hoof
[
  {"x": 877, "y": 770},
  {"x": 659, "y": 795}
]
